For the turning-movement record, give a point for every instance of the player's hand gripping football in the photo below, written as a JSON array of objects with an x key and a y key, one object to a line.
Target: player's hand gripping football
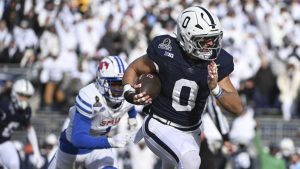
[
  {"x": 212, "y": 79},
  {"x": 141, "y": 98}
]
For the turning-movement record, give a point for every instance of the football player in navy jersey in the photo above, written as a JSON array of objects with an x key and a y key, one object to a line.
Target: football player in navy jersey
[
  {"x": 15, "y": 113},
  {"x": 98, "y": 109},
  {"x": 190, "y": 66}
]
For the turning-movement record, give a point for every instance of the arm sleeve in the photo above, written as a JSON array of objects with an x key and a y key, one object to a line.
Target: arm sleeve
[
  {"x": 132, "y": 112},
  {"x": 31, "y": 134},
  {"x": 226, "y": 64},
  {"x": 80, "y": 134}
]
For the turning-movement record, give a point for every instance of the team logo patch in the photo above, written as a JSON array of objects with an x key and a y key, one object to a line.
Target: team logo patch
[
  {"x": 97, "y": 105},
  {"x": 166, "y": 44}
]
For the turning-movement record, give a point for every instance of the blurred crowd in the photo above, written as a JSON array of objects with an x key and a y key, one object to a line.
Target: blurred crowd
[{"x": 62, "y": 40}]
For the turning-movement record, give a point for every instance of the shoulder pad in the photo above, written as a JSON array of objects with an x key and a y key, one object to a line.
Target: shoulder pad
[
  {"x": 163, "y": 46},
  {"x": 83, "y": 102}
]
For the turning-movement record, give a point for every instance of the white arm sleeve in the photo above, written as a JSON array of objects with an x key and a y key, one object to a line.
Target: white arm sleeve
[{"x": 31, "y": 134}]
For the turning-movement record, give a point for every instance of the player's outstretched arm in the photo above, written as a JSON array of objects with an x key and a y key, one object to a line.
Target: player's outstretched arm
[
  {"x": 224, "y": 91},
  {"x": 141, "y": 65},
  {"x": 82, "y": 139},
  {"x": 230, "y": 99},
  {"x": 37, "y": 159}
]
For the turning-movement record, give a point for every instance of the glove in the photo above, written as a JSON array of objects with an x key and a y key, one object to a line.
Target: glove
[
  {"x": 37, "y": 160},
  {"x": 132, "y": 122},
  {"x": 119, "y": 140}
]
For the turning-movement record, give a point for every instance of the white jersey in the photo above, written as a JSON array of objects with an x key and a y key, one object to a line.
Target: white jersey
[{"x": 91, "y": 104}]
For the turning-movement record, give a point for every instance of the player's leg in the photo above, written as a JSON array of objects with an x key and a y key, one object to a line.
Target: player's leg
[
  {"x": 102, "y": 158},
  {"x": 62, "y": 160},
  {"x": 191, "y": 159},
  {"x": 9, "y": 157},
  {"x": 172, "y": 145}
]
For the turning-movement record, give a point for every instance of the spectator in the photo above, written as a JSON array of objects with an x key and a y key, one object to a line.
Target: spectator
[
  {"x": 295, "y": 161},
  {"x": 5, "y": 35},
  {"x": 289, "y": 85},
  {"x": 287, "y": 148},
  {"x": 11, "y": 54},
  {"x": 266, "y": 90},
  {"x": 269, "y": 159}
]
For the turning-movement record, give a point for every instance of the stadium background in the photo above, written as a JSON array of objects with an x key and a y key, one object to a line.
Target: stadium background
[{"x": 56, "y": 44}]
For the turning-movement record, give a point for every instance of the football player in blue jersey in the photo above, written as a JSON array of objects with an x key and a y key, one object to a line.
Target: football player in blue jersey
[
  {"x": 15, "y": 114},
  {"x": 98, "y": 108},
  {"x": 191, "y": 66}
]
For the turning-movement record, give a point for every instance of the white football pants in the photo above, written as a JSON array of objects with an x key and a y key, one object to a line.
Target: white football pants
[
  {"x": 9, "y": 157},
  {"x": 175, "y": 147}
]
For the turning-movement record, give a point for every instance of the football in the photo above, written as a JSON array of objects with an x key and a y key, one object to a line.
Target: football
[{"x": 150, "y": 83}]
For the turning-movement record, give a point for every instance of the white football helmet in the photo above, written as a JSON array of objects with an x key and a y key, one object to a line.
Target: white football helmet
[
  {"x": 21, "y": 92},
  {"x": 199, "y": 33},
  {"x": 109, "y": 76}
]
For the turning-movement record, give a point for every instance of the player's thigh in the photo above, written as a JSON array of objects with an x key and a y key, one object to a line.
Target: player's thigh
[
  {"x": 168, "y": 142},
  {"x": 100, "y": 158},
  {"x": 9, "y": 157}
]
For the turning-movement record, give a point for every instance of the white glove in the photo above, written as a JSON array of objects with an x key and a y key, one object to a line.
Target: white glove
[
  {"x": 119, "y": 140},
  {"x": 37, "y": 160},
  {"x": 132, "y": 122}
]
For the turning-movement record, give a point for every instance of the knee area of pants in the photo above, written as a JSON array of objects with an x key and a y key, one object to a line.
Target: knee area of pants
[
  {"x": 191, "y": 160},
  {"x": 109, "y": 167},
  {"x": 13, "y": 164}
]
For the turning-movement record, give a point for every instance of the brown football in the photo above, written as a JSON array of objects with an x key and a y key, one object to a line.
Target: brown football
[{"x": 150, "y": 83}]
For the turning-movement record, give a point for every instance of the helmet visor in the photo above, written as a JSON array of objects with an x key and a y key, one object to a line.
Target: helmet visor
[
  {"x": 116, "y": 88},
  {"x": 207, "y": 47}
]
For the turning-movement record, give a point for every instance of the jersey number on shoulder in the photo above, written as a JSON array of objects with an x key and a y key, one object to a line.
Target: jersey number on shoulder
[
  {"x": 9, "y": 129},
  {"x": 177, "y": 90}
]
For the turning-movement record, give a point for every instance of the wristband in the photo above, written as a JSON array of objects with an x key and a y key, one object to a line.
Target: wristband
[{"x": 217, "y": 92}]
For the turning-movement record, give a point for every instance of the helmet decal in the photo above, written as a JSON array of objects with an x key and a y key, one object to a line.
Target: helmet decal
[
  {"x": 213, "y": 24},
  {"x": 103, "y": 64}
]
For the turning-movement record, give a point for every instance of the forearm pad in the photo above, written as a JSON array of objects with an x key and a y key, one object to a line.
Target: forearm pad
[{"x": 128, "y": 95}]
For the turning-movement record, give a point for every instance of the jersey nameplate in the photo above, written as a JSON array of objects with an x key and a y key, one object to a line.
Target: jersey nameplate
[{"x": 107, "y": 122}]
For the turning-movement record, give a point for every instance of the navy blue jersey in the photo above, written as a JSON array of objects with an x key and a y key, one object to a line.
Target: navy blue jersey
[
  {"x": 184, "y": 88},
  {"x": 12, "y": 118}
]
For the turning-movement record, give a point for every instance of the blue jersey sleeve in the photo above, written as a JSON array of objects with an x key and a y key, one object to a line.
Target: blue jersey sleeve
[
  {"x": 225, "y": 62},
  {"x": 80, "y": 135},
  {"x": 152, "y": 50}
]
